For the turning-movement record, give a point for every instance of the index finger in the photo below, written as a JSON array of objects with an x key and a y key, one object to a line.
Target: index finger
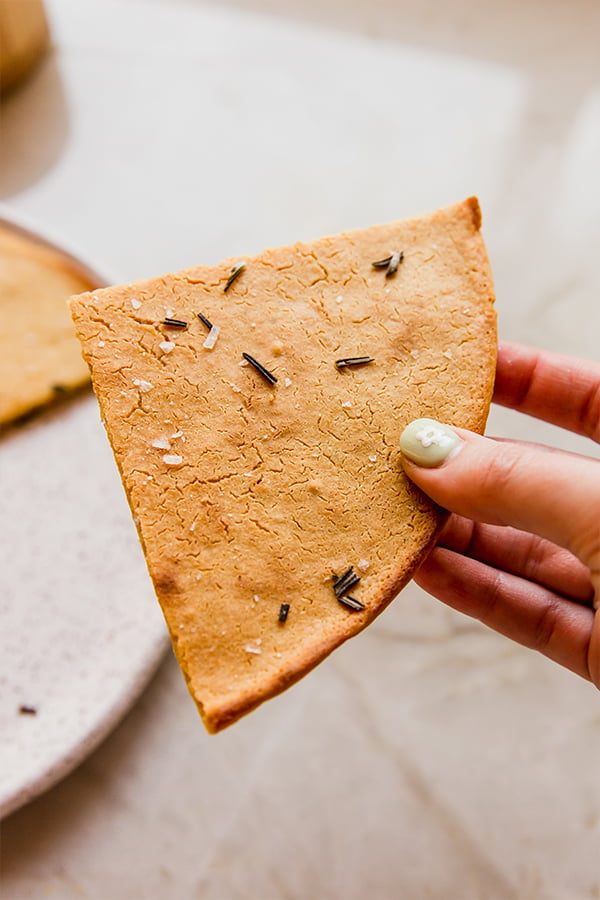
[{"x": 559, "y": 389}]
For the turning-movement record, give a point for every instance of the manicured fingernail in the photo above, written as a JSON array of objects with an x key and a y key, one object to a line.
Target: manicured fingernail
[{"x": 429, "y": 443}]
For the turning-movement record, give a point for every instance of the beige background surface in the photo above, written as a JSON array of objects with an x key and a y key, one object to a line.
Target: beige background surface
[{"x": 428, "y": 757}]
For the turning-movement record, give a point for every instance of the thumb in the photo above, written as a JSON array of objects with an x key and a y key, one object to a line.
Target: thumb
[{"x": 537, "y": 489}]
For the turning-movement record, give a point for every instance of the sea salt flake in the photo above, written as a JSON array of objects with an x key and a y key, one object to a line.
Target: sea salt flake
[
  {"x": 172, "y": 459},
  {"x": 101, "y": 343},
  {"x": 176, "y": 434},
  {"x": 211, "y": 338},
  {"x": 347, "y": 404},
  {"x": 166, "y": 346},
  {"x": 161, "y": 443},
  {"x": 136, "y": 303},
  {"x": 363, "y": 565},
  {"x": 372, "y": 458},
  {"x": 254, "y": 647},
  {"x": 287, "y": 382},
  {"x": 144, "y": 386}
]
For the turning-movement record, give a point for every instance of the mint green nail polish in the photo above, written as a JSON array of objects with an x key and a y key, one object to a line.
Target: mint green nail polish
[{"x": 428, "y": 443}]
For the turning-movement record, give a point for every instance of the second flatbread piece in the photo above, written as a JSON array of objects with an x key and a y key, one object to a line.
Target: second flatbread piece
[{"x": 40, "y": 357}]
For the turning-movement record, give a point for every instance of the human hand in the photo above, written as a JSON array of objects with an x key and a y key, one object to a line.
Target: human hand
[{"x": 521, "y": 550}]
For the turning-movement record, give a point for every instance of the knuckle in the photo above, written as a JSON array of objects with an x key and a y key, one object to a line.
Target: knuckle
[
  {"x": 491, "y": 598},
  {"x": 535, "y": 554},
  {"x": 497, "y": 473},
  {"x": 546, "y": 625},
  {"x": 589, "y": 415}
]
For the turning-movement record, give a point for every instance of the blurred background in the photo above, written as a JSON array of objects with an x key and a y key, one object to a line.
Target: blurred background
[{"x": 428, "y": 758}]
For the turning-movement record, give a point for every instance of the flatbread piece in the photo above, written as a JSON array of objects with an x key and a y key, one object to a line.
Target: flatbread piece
[
  {"x": 40, "y": 357},
  {"x": 253, "y": 498}
]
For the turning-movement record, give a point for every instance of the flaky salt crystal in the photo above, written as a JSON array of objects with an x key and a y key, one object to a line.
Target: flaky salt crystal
[
  {"x": 211, "y": 338},
  {"x": 172, "y": 459},
  {"x": 144, "y": 386}
]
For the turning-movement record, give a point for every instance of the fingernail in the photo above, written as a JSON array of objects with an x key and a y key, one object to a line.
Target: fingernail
[{"x": 429, "y": 443}]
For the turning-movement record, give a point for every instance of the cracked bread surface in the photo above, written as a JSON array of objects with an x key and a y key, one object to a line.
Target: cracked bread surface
[{"x": 248, "y": 495}]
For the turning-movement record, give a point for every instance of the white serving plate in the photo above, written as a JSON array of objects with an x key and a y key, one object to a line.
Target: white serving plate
[{"x": 80, "y": 630}]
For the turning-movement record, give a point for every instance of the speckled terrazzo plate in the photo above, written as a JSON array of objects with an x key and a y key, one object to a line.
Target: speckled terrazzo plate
[{"x": 80, "y": 631}]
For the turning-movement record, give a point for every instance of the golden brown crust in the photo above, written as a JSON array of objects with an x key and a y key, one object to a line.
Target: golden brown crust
[
  {"x": 40, "y": 357},
  {"x": 249, "y": 495}
]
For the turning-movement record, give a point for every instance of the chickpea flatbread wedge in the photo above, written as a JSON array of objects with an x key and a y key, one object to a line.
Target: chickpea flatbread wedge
[{"x": 255, "y": 409}]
